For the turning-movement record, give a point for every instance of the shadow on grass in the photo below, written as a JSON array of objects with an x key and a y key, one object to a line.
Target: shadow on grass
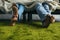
[
  {"x": 4, "y": 23},
  {"x": 35, "y": 24}
]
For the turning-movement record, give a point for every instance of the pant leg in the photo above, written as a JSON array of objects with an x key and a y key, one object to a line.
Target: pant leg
[
  {"x": 20, "y": 11},
  {"x": 46, "y": 6},
  {"x": 41, "y": 11}
]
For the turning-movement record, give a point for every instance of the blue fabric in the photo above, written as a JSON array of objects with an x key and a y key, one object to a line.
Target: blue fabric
[
  {"x": 47, "y": 8},
  {"x": 20, "y": 10},
  {"x": 42, "y": 10}
]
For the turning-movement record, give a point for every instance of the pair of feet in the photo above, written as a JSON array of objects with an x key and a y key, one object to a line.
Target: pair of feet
[{"x": 48, "y": 20}]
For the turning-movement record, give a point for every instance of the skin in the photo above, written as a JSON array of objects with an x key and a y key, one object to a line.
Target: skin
[{"x": 15, "y": 15}]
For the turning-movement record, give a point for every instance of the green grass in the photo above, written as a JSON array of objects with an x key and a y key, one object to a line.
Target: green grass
[{"x": 25, "y": 31}]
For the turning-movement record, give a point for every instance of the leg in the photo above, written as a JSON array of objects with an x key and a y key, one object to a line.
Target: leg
[
  {"x": 17, "y": 12},
  {"x": 24, "y": 17},
  {"x": 15, "y": 15},
  {"x": 30, "y": 17},
  {"x": 20, "y": 11},
  {"x": 46, "y": 7},
  {"x": 49, "y": 11},
  {"x": 41, "y": 11},
  {"x": 44, "y": 14}
]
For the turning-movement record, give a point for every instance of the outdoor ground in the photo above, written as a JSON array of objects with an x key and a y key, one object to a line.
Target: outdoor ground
[{"x": 25, "y": 31}]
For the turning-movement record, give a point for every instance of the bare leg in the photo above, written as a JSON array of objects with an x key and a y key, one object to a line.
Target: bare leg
[{"x": 15, "y": 15}]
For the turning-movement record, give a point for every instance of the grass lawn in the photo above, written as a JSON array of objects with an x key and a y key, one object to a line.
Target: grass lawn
[{"x": 25, "y": 31}]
